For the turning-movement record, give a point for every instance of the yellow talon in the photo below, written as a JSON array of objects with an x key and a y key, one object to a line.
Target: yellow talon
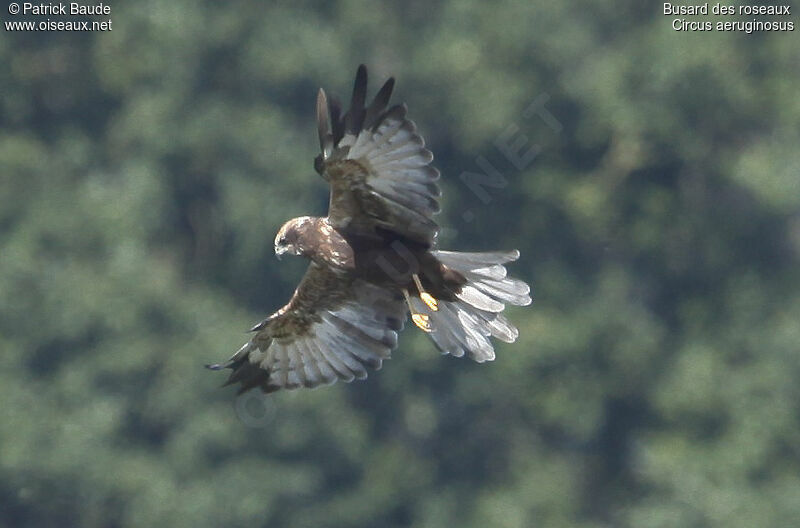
[
  {"x": 422, "y": 321},
  {"x": 428, "y": 299}
]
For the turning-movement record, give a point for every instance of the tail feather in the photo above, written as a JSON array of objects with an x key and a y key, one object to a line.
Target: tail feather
[
  {"x": 473, "y": 296},
  {"x": 462, "y": 261},
  {"x": 456, "y": 332},
  {"x": 496, "y": 272},
  {"x": 502, "y": 328},
  {"x": 512, "y": 291},
  {"x": 465, "y": 326}
]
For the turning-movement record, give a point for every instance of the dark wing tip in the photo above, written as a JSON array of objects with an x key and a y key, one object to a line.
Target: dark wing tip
[
  {"x": 386, "y": 91},
  {"x": 361, "y": 73},
  {"x": 259, "y": 326},
  {"x": 378, "y": 106},
  {"x": 354, "y": 118},
  {"x": 319, "y": 166},
  {"x": 360, "y": 87},
  {"x": 337, "y": 122}
]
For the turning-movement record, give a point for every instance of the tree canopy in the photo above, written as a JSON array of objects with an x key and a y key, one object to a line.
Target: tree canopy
[{"x": 654, "y": 196}]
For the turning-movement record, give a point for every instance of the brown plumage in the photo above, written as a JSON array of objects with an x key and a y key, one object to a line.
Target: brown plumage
[{"x": 373, "y": 259}]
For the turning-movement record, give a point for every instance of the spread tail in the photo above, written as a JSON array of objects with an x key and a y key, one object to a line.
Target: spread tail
[{"x": 465, "y": 325}]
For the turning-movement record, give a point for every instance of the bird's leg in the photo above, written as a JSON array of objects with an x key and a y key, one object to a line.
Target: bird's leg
[
  {"x": 426, "y": 297},
  {"x": 422, "y": 321}
]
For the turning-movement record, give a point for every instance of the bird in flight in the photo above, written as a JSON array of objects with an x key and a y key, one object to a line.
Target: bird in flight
[{"x": 373, "y": 260}]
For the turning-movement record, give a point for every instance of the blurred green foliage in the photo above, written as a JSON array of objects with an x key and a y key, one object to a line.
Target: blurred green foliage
[{"x": 144, "y": 172}]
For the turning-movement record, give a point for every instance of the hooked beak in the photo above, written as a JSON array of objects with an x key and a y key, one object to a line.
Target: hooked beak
[{"x": 280, "y": 250}]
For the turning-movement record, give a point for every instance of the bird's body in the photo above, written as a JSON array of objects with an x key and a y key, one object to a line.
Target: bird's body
[
  {"x": 383, "y": 259},
  {"x": 373, "y": 259}
]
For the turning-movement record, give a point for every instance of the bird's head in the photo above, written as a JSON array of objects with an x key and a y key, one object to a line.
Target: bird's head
[{"x": 290, "y": 236}]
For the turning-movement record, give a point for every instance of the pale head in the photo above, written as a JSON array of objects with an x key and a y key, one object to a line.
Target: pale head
[{"x": 291, "y": 237}]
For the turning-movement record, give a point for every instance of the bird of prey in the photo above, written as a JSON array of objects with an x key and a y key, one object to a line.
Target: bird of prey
[{"x": 374, "y": 259}]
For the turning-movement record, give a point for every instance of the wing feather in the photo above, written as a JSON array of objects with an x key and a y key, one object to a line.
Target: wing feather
[
  {"x": 331, "y": 355},
  {"x": 326, "y": 373},
  {"x": 334, "y": 327},
  {"x": 378, "y": 167},
  {"x": 282, "y": 373},
  {"x": 323, "y": 125},
  {"x": 379, "y": 103}
]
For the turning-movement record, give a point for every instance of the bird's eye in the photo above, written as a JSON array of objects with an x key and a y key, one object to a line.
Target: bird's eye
[{"x": 282, "y": 241}]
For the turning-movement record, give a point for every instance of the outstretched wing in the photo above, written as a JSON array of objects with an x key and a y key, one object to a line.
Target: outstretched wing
[
  {"x": 377, "y": 165},
  {"x": 332, "y": 328}
]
